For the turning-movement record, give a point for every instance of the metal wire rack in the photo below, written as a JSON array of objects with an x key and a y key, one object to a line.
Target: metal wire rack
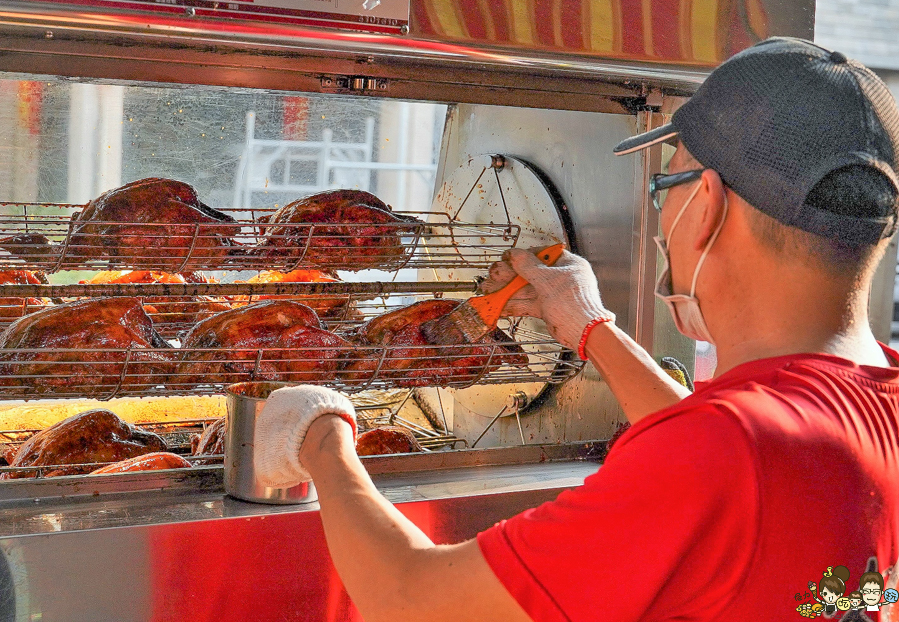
[
  {"x": 49, "y": 237},
  {"x": 176, "y": 307},
  {"x": 102, "y": 373},
  {"x": 373, "y": 409}
]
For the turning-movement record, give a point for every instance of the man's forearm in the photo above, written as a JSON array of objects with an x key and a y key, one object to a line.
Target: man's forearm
[
  {"x": 638, "y": 383},
  {"x": 388, "y": 565}
]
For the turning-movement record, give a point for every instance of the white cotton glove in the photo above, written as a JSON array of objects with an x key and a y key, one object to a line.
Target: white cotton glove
[
  {"x": 565, "y": 295},
  {"x": 282, "y": 426}
]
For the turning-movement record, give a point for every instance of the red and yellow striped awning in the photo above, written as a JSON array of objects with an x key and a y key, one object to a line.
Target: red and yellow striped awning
[{"x": 702, "y": 32}]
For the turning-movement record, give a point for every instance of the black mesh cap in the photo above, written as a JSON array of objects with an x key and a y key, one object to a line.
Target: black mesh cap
[{"x": 774, "y": 119}]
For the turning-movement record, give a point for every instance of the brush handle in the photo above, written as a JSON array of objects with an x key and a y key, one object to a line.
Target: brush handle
[{"x": 490, "y": 307}]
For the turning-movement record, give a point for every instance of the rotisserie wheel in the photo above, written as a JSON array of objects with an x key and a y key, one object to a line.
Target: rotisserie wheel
[
  {"x": 386, "y": 440},
  {"x": 371, "y": 239},
  {"x": 85, "y": 333},
  {"x": 210, "y": 442},
  {"x": 151, "y": 224},
  {"x": 170, "y": 314},
  {"x": 293, "y": 344},
  {"x": 412, "y": 361},
  {"x": 86, "y": 438},
  {"x": 11, "y": 307},
  {"x": 148, "y": 462}
]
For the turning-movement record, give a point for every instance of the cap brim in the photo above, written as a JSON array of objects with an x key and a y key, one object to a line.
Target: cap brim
[{"x": 646, "y": 139}]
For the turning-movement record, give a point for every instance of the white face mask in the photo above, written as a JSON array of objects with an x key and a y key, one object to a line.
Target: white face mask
[{"x": 685, "y": 309}]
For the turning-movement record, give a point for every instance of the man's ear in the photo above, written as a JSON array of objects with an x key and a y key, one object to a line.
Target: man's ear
[{"x": 712, "y": 195}]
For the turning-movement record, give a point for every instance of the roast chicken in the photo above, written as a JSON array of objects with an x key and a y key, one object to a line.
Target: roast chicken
[
  {"x": 170, "y": 314},
  {"x": 412, "y": 361},
  {"x": 148, "y": 462},
  {"x": 372, "y": 237},
  {"x": 269, "y": 340},
  {"x": 327, "y": 307},
  {"x": 210, "y": 442},
  {"x": 11, "y": 307},
  {"x": 83, "y": 439},
  {"x": 386, "y": 440},
  {"x": 147, "y": 224},
  {"x": 77, "y": 344}
]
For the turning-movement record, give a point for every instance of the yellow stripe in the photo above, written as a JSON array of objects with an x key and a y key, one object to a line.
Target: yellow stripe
[
  {"x": 557, "y": 23},
  {"x": 683, "y": 28},
  {"x": 522, "y": 16},
  {"x": 646, "y": 16},
  {"x": 758, "y": 20},
  {"x": 704, "y": 27},
  {"x": 444, "y": 13},
  {"x": 601, "y": 21}
]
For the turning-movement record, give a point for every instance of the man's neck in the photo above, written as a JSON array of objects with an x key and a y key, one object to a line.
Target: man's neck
[{"x": 799, "y": 316}]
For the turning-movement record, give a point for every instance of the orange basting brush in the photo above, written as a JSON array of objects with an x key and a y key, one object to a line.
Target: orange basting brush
[{"x": 478, "y": 315}]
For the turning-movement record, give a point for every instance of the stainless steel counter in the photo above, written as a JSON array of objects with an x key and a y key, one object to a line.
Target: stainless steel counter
[{"x": 179, "y": 549}]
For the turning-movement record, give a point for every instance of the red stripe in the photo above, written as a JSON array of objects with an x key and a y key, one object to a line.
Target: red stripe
[
  {"x": 632, "y": 28},
  {"x": 420, "y": 22},
  {"x": 572, "y": 26},
  {"x": 471, "y": 16},
  {"x": 500, "y": 12},
  {"x": 543, "y": 18},
  {"x": 665, "y": 25}
]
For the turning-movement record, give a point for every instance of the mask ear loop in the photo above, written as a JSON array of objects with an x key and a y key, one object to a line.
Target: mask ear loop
[
  {"x": 682, "y": 210},
  {"x": 708, "y": 248}
]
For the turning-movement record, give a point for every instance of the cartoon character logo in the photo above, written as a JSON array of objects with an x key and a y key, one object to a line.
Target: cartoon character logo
[
  {"x": 871, "y": 587},
  {"x": 831, "y": 587},
  {"x": 829, "y": 595}
]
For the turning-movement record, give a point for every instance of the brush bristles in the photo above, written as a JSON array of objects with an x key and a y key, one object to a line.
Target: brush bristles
[{"x": 461, "y": 325}]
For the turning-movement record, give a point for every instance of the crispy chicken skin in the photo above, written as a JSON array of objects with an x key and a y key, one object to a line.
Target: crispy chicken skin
[
  {"x": 211, "y": 441},
  {"x": 294, "y": 346},
  {"x": 151, "y": 223},
  {"x": 77, "y": 328},
  {"x": 373, "y": 238},
  {"x": 170, "y": 314},
  {"x": 89, "y": 437},
  {"x": 148, "y": 462},
  {"x": 386, "y": 440},
  {"x": 11, "y": 307},
  {"x": 412, "y": 361},
  {"x": 147, "y": 224}
]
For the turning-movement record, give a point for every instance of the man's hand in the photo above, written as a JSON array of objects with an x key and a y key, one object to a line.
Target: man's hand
[
  {"x": 565, "y": 295},
  {"x": 282, "y": 426}
]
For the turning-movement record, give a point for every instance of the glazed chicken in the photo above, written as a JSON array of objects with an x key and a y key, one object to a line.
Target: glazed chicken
[
  {"x": 327, "y": 307},
  {"x": 269, "y": 340},
  {"x": 86, "y": 438},
  {"x": 77, "y": 344},
  {"x": 170, "y": 314},
  {"x": 210, "y": 442},
  {"x": 147, "y": 224},
  {"x": 148, "y": 462},
  {"x": 411, "y": 361},
  {"x": 11, "y": 307},
  {"x": 386, "y": 440},
  {"x": 371, "y": 239}
]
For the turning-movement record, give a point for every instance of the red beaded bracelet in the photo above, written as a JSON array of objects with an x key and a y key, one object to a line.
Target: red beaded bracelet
[{"x": 589, "y": 327}]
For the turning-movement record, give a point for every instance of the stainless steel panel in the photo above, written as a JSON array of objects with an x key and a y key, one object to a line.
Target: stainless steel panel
[
  {"x": 574, "y": 149},
  {"x": 203, "y": 556}
]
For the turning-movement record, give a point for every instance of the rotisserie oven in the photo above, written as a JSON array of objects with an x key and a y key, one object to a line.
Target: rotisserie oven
[{"x": 195, "y": 194}]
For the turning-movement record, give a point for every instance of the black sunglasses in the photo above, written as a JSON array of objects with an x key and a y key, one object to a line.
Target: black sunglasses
[{"x": 660, "y": 181}]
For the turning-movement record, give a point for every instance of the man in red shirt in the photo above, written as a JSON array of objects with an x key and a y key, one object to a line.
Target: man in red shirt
[{"x": 716, "y": 505}]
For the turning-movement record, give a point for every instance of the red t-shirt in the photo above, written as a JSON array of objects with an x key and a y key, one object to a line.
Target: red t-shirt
[{"x": 723, "y": 506}]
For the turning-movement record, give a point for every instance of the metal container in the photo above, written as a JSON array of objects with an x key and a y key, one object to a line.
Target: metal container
[{"x": 245, "y": 401}]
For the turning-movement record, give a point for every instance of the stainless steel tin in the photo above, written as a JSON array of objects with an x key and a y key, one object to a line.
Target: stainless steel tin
[{"x": 245, "y": 401}]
